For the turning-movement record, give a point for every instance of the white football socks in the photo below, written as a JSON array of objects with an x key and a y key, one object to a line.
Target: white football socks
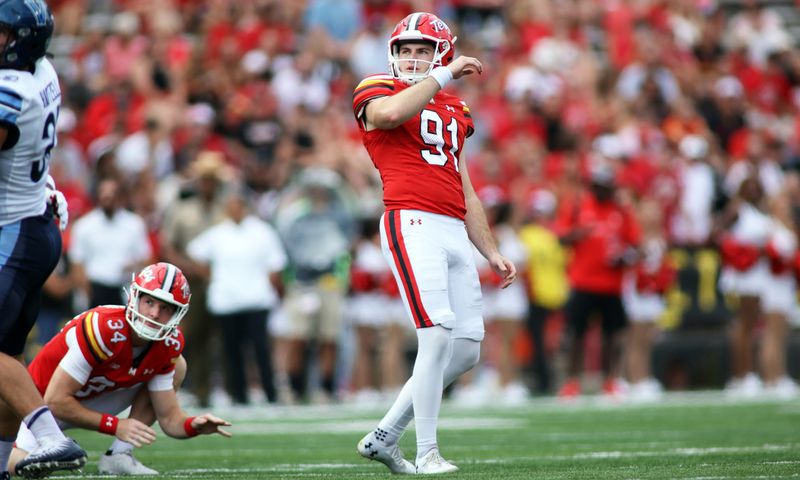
[
  {"x": 394, "y": 423},
  {"x": 42, "y": 424},
  {"x": 465, "y": 355},
  {"x": 119, "y": 446},
  {"x": 433, "y": 353}
]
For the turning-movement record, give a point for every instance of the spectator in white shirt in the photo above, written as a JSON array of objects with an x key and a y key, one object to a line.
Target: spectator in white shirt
[
  {"x": 368, "y": 56},
  {"x": 108, "y": 245},
  {"x": 147, "y": 149},
  {"x": 691, "y": 223},
  {"x": 245, "y": 258},
  {"x": 304, "y": 83}
]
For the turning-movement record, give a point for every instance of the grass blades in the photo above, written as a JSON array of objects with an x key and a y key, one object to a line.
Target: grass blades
[{"x": 686, "y": 436}]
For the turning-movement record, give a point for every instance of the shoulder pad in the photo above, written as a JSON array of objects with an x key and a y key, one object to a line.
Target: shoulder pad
[{"x": 104, "y": 331}]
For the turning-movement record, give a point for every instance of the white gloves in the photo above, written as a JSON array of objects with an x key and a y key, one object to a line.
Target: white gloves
[{"x": 59, "y": 203}]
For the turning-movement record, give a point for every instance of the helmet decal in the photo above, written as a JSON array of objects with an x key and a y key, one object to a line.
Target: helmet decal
[
  {"x": 147, "y": 274},
  {"x": 39, "y": 11},
  {"x": 185, "y": 289}
]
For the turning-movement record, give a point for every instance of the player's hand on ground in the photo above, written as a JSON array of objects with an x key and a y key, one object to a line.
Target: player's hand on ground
[
  {"x": 135, "y": 432},
  {"x": 505, "y": 268},
  {"x": 465, "y": 66},
  {"x": 206, "y": 424}
]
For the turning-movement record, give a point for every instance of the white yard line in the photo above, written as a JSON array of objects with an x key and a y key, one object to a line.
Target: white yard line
[
  {"x": 613, "y": 454},
  {"x": 654, "y": 453},
  {"x": 307, "y": 469},
  {"x": 589, "y": 403}
]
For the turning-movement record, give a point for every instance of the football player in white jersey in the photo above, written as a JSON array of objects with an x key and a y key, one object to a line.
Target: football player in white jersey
[{"x": 30, "y": 243}]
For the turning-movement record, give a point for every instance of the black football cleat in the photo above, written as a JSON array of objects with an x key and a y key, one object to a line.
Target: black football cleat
[{"x": 51, "y": 457}]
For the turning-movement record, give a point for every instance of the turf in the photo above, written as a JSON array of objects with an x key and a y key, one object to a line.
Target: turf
[{"x": 686, "y": 436}]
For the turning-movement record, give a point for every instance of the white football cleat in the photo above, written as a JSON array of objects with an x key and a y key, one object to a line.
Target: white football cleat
[
  {"x": 433, "y": 463},
  {"x": 389, "y": 455},
  {"x": 123, "y": 464}
]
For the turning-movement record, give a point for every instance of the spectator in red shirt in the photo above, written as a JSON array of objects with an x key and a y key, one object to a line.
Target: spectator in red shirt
[{"x": 604, "y": 236}]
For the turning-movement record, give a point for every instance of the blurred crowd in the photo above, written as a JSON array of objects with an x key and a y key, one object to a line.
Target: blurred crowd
[{"x": 193, "y": 130}]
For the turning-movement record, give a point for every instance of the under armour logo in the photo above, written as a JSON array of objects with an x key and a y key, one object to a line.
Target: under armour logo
[
  {"x": 109, "y": 422},
  {"x": 449, "y": 108},
  {"x": 416, "y": 221},
  {"x": 372, "y": 451},
  {"x": 132, "y": 371}
]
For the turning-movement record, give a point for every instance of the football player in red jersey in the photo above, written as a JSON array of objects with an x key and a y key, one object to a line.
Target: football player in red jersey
[
  {"x": 414, "y": 133},
  {"x": 110, "y": 358}
]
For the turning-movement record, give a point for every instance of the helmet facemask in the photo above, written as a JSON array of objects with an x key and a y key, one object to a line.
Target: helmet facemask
[
  {"x": 422, "y": 68},
  {"x": 147, "y": 327},
  {"x": 420, "y": 27}
]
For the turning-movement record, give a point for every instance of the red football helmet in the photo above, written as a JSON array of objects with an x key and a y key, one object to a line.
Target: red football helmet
[
  {"x": 165, "y": 282},
  {"x": 421, "y": 26}
]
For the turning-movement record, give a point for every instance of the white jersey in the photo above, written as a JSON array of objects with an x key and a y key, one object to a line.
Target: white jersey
[{"x": 29, "y": 106}]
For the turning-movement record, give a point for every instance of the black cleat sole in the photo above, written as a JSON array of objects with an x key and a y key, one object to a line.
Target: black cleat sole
[{"x": 44, "y": 469}]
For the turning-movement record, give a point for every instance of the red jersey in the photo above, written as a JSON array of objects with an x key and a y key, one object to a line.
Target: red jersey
[
  {"x": 103, "y": 336},
  {"x": 613, "y": 229},
  {"x": 418, "y": 160}
]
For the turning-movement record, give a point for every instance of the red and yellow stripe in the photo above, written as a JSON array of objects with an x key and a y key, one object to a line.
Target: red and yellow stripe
[
  {"x": 371, "y": 81},
  {"x": 95, "y": 341}
]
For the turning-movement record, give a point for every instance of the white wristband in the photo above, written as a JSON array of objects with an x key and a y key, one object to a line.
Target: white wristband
[{"x": 442, "y": 75}]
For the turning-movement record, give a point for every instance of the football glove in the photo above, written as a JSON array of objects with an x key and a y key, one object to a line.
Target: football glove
[{"x": 58, "y": 202}]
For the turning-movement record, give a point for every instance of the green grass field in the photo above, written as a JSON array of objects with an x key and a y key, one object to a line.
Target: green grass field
[{"x": 686, "y": 436}]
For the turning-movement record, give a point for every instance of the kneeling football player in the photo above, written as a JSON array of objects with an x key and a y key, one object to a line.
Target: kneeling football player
[{"x": 110, "y": 358}]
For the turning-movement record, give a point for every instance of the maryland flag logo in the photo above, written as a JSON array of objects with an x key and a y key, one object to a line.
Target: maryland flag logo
[{"x": 465, "y": 109}]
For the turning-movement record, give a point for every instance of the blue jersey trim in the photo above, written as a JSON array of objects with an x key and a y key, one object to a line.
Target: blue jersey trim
[
  {"x": 7, "y": 116},
  {"x": 11, "y": 98},
  {"x": 9, "y": 234}
]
